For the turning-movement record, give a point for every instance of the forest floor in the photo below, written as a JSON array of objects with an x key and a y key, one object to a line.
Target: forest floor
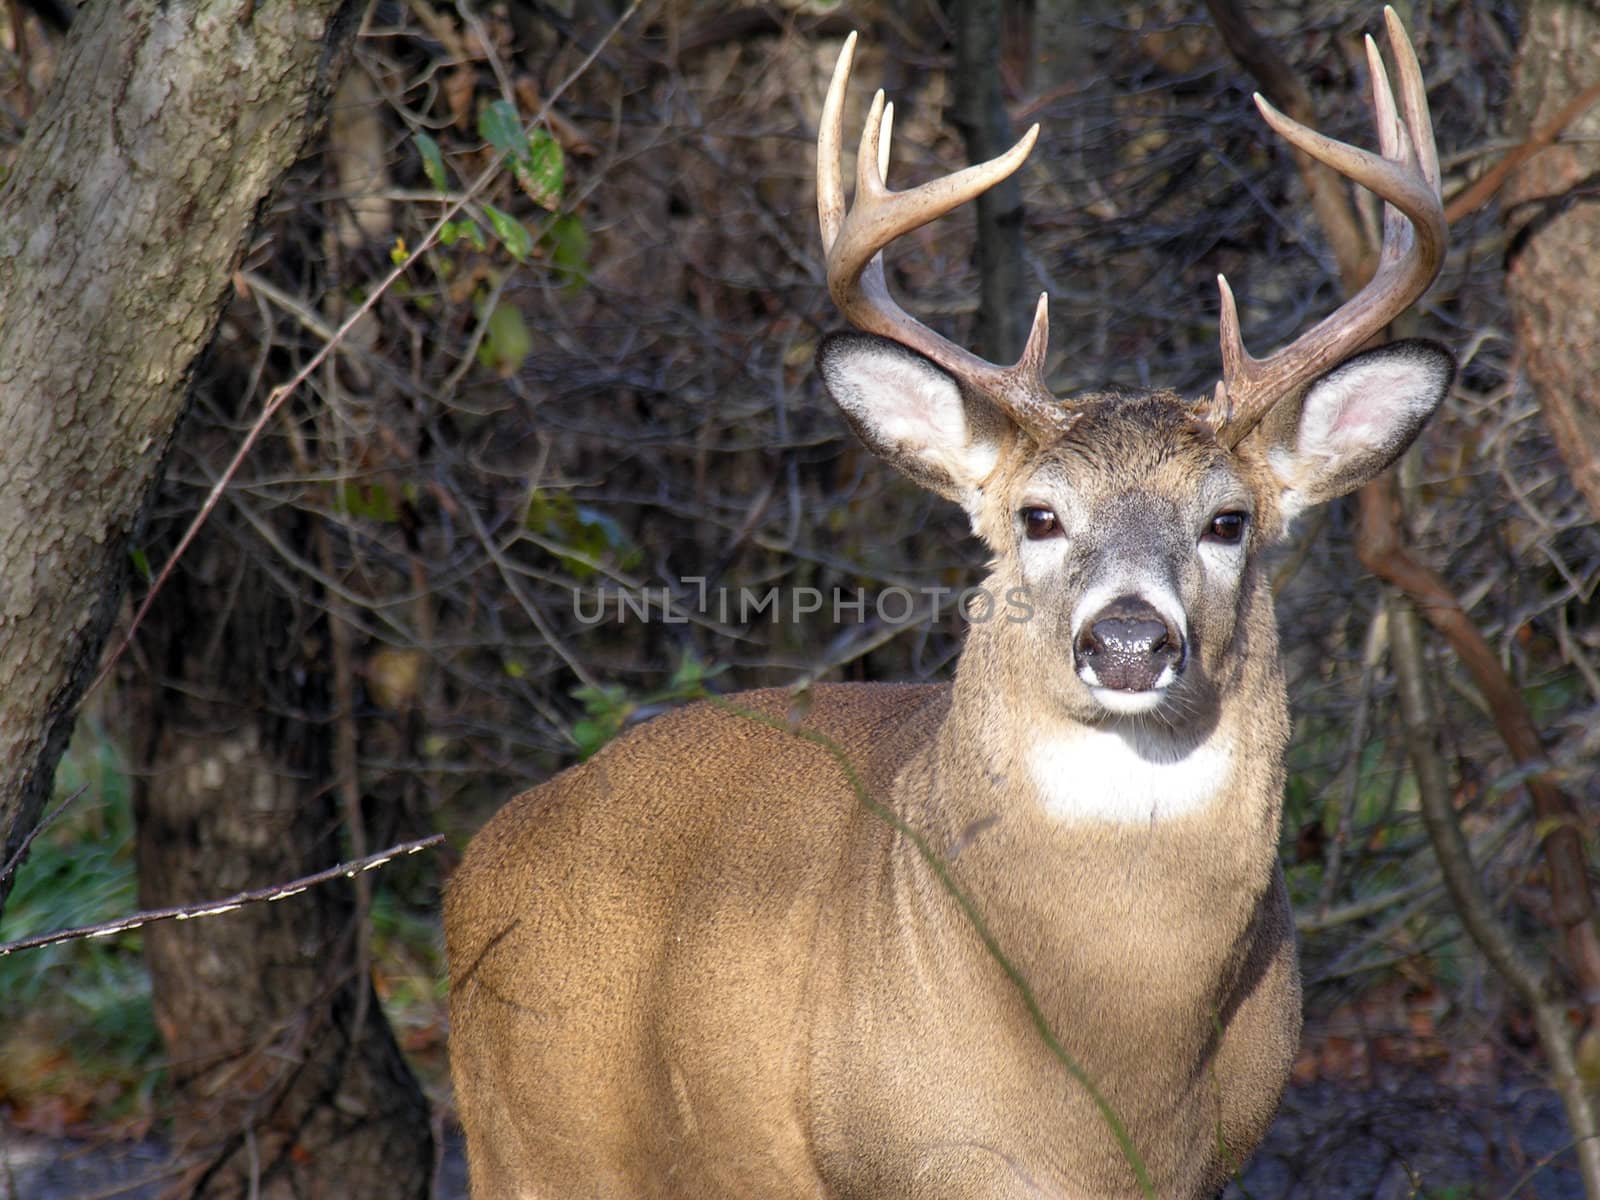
[
  {"x": 1412, "y": 1137},
  {"x": 33, "y": 1167},
  {"x": 1406, "y": 1137}
]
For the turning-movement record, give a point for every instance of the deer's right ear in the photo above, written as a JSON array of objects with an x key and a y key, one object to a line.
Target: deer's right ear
[{"x": 912, "y": 414}]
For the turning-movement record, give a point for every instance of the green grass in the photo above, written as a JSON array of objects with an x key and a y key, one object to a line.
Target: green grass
[{"x": 85, "y": 1034}]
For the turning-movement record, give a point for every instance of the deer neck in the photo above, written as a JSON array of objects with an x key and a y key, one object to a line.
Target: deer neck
[
  {"x": 1196, "y": 798},
  {"x": 1069, "y": 879}
]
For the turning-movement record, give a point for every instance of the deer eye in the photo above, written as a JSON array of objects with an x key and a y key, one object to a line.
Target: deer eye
[
  {"x": 1039, "y": 523},
  {"x": 1226, "y": 527}
]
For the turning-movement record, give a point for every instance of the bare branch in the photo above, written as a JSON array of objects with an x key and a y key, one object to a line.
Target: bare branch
[
  {"x": 1481, "y": 190},
  {"x": 1352, "y": 249}
]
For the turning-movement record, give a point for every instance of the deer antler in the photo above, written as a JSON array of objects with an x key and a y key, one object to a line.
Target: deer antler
[
  {"x": 854, "y": 242},
  {"x": 1406, "y": 178}
]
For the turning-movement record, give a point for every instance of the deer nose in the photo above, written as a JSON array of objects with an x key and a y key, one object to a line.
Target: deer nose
[{"x": 1128, "y": 646}]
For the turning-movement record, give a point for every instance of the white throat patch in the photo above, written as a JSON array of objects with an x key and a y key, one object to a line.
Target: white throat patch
[{"x": 1126, "y": 775}]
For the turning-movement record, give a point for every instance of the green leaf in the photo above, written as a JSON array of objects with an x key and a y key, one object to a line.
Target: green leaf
[
  {"x": 501, "y": 127},
  {"x": 589, "y": 736},
  {"x": 511, "y": 232},
  {"x": 506, "y": 341},
  {"x": 141, "y": 563},
  {"x": 607, "y": 709},
  {"x": 569, "y": 252},
  {"x": 541, "y": 169},
  {"x": 535, "y": 157},
  {"x": 586, "y": 531},
  {"x": 367, "y": 500},
  {"x": 432, "y": 161},
  {"x": 453, "y": 231},
  {"x": 690, "y": 676}
]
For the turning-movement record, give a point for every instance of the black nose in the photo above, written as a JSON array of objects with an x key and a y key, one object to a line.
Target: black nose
[{"x": 1127, "y": 645}]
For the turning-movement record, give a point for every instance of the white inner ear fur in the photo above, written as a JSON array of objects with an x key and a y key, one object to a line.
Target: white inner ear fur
[
  {"x": 914, "y": 413},
  {"x": 1357, "y": 419}
]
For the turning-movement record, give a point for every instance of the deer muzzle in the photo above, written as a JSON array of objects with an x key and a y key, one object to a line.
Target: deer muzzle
[{"x": 1128, "y": 647}]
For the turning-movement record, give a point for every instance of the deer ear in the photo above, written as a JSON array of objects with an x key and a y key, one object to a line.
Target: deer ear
[
  {"x": 1359, "y": 418},
  {"x": 912, "y": 414}
]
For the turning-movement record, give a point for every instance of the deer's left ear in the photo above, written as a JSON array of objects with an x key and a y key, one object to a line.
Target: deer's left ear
[{"x": 1359, "y": 418}]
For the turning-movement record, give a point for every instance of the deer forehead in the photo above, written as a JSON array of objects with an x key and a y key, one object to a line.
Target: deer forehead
[{"x": 1133, "y": 457}]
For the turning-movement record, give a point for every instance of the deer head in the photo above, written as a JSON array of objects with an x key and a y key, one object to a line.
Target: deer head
[{"x": 1133, "y": 518}]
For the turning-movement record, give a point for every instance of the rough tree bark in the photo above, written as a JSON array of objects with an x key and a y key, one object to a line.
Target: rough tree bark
[
  {"x": 1552, "y": 215},
  {"x": 120, "y": 224}
]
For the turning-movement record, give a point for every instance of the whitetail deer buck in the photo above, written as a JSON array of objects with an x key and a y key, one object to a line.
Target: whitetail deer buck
[{"x": 698, "y": 965}]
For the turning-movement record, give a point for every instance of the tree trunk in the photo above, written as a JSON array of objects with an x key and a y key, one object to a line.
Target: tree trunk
[
  {"x": 1553, "y": 220},
  {"x": 120, "y": 224},
  {"x": 979, "y": 112},
  {"x": 287, "y": 1078}
]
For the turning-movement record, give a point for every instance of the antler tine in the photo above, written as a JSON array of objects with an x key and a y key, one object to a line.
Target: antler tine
[
  {"x": 854, "y": 240},
  {"x": 1394, "y": 142},
  {"x": 1413, "y": 98},
  {"x": 1406, "y": 177},
  {"x": 830, "y": 186}
]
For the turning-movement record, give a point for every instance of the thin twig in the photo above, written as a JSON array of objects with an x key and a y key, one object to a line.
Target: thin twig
[
  {"x": 1377, "y": 643},
  {"x": 1484, "y": 847},
  {"x": 21, "y": 853},
  {"x": 1382, "y": 551},
  {"x": 529, "y": 607},
  {"x": 1352, "y": 249},
  {"x": 212, "y": 908}
]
